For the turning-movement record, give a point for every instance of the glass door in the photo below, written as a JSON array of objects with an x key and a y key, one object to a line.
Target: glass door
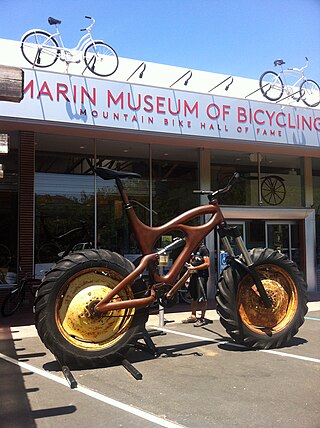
[{"x": 283, "y": 236}]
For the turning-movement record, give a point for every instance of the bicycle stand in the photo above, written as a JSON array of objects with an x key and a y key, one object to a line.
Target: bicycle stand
[
  {"x": 147, "y": 346},
  {"x": 68, "y": 375}
]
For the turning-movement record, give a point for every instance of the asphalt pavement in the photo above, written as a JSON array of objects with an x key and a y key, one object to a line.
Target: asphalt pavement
[{"x": 199, "y": 378}]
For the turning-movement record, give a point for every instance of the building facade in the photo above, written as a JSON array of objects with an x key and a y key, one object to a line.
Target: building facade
[{"x": 179, "y": 137}]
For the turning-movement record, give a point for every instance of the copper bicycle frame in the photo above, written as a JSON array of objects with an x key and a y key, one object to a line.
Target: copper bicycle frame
[{"x": 147, "y": 236}]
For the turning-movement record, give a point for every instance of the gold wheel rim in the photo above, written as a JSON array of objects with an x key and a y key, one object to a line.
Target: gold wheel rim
[
  {"x": 282, "y": 292},
  {"x": 73, "y": 310}
]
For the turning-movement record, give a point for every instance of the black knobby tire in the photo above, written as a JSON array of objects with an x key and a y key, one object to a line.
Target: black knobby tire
[
  {"x": 271, "y": 85},
  {"x": 12, "y": 302},
  {"x": 242, "y": 312},
  {"x": 34, "y": 55},
  {"x": 62, "y": 309}
]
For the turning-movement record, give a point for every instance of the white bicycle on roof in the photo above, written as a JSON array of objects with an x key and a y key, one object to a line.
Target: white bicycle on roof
[
  {"x": 41, "y": 49},
  {"x": 273, "y": 85}
]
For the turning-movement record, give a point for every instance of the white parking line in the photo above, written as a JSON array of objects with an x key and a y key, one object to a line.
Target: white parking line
[
  {"x": 103, "y": 398},
  {"x": 237, "y": 345}
]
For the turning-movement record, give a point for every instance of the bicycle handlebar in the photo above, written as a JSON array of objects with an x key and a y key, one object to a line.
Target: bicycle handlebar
[
  {"x": 90, "y": 26},
  {"x": 213, "y": 193},
  {"x": 299, "y": 70}
]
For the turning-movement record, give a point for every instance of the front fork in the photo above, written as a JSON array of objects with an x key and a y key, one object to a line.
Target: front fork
[{"x": 227, "y": 232}]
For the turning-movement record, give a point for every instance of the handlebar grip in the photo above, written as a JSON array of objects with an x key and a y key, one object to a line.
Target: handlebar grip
[
  {"x": 88, "y": 17},
  {"x": 234, "y": 178},
  {"x": 82, "y": 29}
]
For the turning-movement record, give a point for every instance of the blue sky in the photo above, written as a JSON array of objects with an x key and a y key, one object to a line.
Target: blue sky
[{"x": 233, "y": 37}]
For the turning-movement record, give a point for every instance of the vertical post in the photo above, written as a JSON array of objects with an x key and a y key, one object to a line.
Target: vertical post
[
  {"x": 259, "y": 179},
  {"x": 205, "y": 184},
  {"x": 95, "y": 218}
]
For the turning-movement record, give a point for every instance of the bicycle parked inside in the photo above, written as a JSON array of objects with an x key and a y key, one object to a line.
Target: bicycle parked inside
[
  {"x": 42, "y": 49},
  {"x": 290, "y": 82},
  {"x": 91, "y": 305},
  {"x": 59, "y": 246},
  {"x": 14, "y": 299}
]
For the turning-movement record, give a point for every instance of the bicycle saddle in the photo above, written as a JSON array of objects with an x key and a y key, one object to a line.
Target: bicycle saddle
[
  {"x": 109, "y": 174},
  {"x": 53, "y": 21},
  {"x": 278, "y": 62}
]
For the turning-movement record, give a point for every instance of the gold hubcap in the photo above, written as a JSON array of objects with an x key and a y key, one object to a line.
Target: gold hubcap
[
  {"x": 75, "y": 316},
  {"x": 282, "y": 292}
]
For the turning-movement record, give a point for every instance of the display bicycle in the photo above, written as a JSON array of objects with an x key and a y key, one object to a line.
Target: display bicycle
[
  {"x": 42, "y": 49},
  {"x": 92, "y": 304},
  {"x": 273, "y": 85}
]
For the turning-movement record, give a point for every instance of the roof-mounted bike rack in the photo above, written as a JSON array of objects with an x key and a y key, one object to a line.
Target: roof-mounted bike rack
[
  {"x": 223, "y": 81},
  {"x": 143, "y": 65},
  {"x": 251, "y": 93},
  {"x": 186, "y": 81}
]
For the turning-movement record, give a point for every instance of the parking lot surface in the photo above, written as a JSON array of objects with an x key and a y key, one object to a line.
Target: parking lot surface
[{"x": 200, "y": 379}]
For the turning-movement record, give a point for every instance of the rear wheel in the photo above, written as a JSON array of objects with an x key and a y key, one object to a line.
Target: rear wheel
[
  {"x": 271, "y": 86},
  {"x": 63, "y": 314},
  {"x": 243, "y": 313},
  {"x": 40, "y": 48}
]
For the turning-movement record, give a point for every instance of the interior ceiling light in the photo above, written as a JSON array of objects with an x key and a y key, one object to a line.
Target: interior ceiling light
[{"x": 1, "y": 171}]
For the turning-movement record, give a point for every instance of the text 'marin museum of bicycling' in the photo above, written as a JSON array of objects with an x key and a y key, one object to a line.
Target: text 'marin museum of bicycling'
[{"x": 179, "y": 129}]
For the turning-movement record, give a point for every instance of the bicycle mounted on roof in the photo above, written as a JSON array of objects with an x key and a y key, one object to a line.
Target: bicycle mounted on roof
[
  {"x": 42, "y": 49},
  {"x": 273, "y": 85}
]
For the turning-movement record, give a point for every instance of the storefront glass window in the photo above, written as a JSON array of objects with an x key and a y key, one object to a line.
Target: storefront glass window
[
  {"x": 279, "y": 184},
  {"x": 316, "y": 205},
  {"x": 8, "y": 213}
]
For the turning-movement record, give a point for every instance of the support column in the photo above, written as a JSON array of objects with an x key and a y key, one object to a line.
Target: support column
[
  {"x": 307, "y": 199},
  {"x": 26, "y": 202},
  {"x": 205, "y": 184}
]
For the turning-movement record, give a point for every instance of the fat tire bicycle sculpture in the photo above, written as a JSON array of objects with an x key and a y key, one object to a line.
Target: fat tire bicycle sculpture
[
  {"x": 92, "y": 304},
  {"x": 273, "y": 85},
  {"x": 42, "y": 49}
]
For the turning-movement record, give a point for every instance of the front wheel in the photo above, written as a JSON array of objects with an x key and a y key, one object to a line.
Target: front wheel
[
  {"x": 101, "y": 59},
  {"x": 242, "y": 311},
  {"x": 310, "y": 93},
  {"x": 40, "y": 49},
  {"x": 64, "y": 315},
  {"x": 271, "y": 86}
]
